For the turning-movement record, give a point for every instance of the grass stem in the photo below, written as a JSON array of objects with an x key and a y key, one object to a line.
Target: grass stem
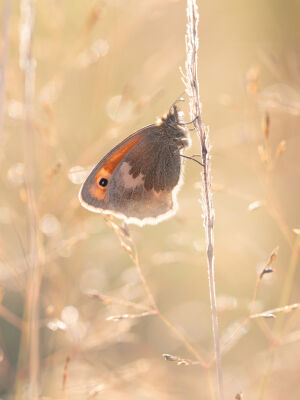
[{"x": 192, "y": 87}]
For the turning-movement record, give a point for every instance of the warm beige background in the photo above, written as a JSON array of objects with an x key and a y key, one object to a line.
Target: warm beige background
[{"x": 86, "y": 54}]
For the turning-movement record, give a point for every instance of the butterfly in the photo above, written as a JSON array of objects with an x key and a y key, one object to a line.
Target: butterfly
[{"x": 138, "y": 180}]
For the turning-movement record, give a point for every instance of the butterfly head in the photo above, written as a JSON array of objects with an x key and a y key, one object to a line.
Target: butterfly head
[
  {"x": 173, "y": 129},
  {"x": 173, "y": 117}
]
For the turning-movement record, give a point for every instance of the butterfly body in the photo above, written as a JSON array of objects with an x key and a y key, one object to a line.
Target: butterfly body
[{"x": 139, "y": 178}]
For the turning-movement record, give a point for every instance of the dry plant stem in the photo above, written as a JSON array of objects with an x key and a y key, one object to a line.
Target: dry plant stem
[
  {"x": 275, "y": 212},
  {"x": 245, "y": 321},
  {"x": 27, "y": 64},
  {"x": 180, "y": 336},
  {"x": 210, "y": 383},
  {"x": 143, "y": 279},
  {"x": 65, "y": 372},
  {"x": 274, "y": 209},
  {"x": 287, "y": 286},
  {"x": 113, "y": 300},
  {"x": 129, "y": 246},
  {"x": 192, "y": 86},
  {"x": 271, "y": 197},
  {"x": 5, "y": 21},
  {"x": 289, "y": 280},
  {"x": 10, "y": 317},
  {"x": 153, "y": 304}
]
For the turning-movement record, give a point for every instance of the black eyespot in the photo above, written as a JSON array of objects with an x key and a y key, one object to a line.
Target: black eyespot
[{"x": 103, "y": 182}]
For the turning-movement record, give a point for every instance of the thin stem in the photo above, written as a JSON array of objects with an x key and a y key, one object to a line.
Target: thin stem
[
  {"x": 192, "y": 87},
  {"x": 284, "y": 299},
  {"x": 27, "y": 64},
  {"x": 274, "y": 209},
  {"x": 181, "y": 337},
  {"x": 11, "y": 318},
  {"x": 129, "y": 246},
  {"x": 143, "y": 279},
  {"x": 3, "y": 68},
  {"x": 153, "y": 304},
  {"x": 210, "y": 384}
]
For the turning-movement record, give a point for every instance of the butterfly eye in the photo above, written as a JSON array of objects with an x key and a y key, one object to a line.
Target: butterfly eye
[{"x": 103, "y": 182}]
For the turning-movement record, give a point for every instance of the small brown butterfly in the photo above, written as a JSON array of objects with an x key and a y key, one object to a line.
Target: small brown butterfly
[{"x": 138, "y": 180}]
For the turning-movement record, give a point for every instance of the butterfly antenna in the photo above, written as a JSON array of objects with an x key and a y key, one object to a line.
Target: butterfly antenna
[{"x": 178, "y": 99}]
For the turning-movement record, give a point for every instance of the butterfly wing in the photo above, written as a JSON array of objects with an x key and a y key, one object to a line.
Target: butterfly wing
[
  {"x": 94, "y": 196},
  {"x": 140, "y": 174}
]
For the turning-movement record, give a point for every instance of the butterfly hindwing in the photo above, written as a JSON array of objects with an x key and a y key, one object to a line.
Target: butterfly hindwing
[{"x": 142, "y": 184}]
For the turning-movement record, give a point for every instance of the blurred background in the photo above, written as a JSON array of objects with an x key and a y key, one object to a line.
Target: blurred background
[{"x": 77, "y": 325}]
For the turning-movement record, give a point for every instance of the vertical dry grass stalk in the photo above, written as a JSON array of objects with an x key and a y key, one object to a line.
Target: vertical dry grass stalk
[
  {"x": 5, "y": 20},
  {"x": 192, "y": 88},
  {"x": 27, "y": 64}
]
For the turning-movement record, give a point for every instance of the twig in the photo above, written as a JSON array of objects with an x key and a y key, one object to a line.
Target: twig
[
  {"x": 27, "y": 64},
  {"x": 266, "y": 270},
  {"x": 65, "y": 372},
  {"x": 175, "y": 331},
  {"x": 274, "y": 209},
  {"x": 129, "y": 246},
  {"x": 130, "y": 316},
  {"x": 5, "y": 20},
  {"x": 285, "y": 295},
  {"x": 178, "y": 360},
  {"x": 11, "y": 318},
  {"x": 271, "y": 313},
  {"x": 113, "y": 300},
  {"x": 192, "y": 88}
]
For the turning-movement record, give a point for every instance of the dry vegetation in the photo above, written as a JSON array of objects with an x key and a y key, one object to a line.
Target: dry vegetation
[{"x": 92, "y": 310}]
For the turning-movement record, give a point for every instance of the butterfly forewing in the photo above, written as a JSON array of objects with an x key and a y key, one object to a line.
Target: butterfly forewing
[{"x": 93, "y": 195}]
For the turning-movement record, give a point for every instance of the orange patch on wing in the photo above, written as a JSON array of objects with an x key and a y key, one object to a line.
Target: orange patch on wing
[
  {"x": 102, "y": 173},
  {"x": 110, "y": 165},
  {"x": 97, "y": 192},
  {"x": 116, "y": 157}
]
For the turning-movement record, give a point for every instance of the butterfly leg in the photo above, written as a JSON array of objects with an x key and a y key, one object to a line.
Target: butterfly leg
[{"x": 191, "y": 158}]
